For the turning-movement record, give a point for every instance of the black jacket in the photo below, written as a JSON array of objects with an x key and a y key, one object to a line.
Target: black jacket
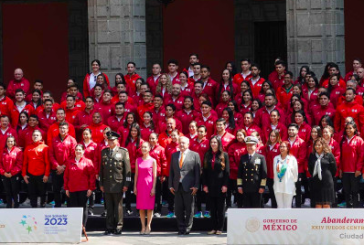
[
  {"x": 217, "y": 177},
  {"x": 252, "y": 174}
]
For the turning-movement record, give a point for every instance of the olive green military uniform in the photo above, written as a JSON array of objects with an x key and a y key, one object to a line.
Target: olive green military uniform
[{"x": 115, "y": 173}]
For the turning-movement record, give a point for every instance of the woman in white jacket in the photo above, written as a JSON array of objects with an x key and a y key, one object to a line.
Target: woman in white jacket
[{"x": 285, "y": 175}]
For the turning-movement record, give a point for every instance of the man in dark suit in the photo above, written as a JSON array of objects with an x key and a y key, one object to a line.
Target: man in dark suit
[
  {"x": 184, "y": 181},
  {"x": 115, "y": 177},
  {"x": 252, "y": 175}
]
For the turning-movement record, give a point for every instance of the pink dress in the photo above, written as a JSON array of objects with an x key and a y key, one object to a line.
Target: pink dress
[{"x": 145, "y": 184}]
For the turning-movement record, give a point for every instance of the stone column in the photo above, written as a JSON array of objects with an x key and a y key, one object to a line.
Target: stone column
[
  {"x": 117, "y": 35},
  {"x": 315, "y": 34}
]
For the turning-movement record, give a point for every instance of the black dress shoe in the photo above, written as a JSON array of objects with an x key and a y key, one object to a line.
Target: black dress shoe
[
  {"x": 117, "y": 232},
  {"x": 109, "y": 233},
  {"x": 186, "y": 233},
  {"x": 180, "y": 233}
]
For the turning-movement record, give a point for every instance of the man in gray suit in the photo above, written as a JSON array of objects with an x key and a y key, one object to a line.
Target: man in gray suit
[{"x": 184, "y": 181}]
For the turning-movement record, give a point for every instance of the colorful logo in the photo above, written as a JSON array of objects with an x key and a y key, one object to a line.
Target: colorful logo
[{"x": 28, "y": 223}]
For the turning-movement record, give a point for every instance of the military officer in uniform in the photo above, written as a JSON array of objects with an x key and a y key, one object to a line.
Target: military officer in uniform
[
  {"x": 252, "y": 174},
  {"x": 115, "y": 177}
]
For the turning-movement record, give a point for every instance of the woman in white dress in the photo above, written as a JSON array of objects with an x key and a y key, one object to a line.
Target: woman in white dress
[{"x": 285, "y": 175}]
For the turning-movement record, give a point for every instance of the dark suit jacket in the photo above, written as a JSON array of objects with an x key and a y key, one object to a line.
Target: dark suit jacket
[
  {"x": 215, "y": 178},
  {"x": 252, "y": 174},
  {"x": 189, "y": 174}
]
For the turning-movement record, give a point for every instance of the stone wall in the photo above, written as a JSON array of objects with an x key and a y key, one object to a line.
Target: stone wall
[
  {"x": 117, "y": 35},
  {"x": 315, "y": 33}
]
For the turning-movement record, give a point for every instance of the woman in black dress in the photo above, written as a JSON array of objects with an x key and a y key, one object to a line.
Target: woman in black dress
[
  {"x": 322, "y": 167},
  {"x": 215, "y": 180}
]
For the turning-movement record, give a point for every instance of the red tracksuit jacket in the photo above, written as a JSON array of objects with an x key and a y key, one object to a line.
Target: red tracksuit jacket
[
  {"x": 114, "y": 123},
  {"x": 185, "y": 118},
  {"x": 153, "y": 82},
  {"x": 201, "y": 147},
  {"x": 14, "y": 85},
  {"x": 262, "y": 117},
  {"x": 304, "y": 132},
  {"x": 256, "y": 87},
  {"x": 158, "y": 153},
  {"x": 299, "y": 151},
  {"x": 170, "y": 149},
  {"x": 86, "y": 84},
  {"x": 320, "y": 111},
  {"x": 97, "y": 160},
  {"x": 45, "y": 122},
  {"x": 210, "y": 88},
  {"x": 349, "y": 109},
  {"x": 238, "y": 79},
  {"x": 352, "y": 154},
  {"x": 145, "y": 132},
  {"x": 134, "y": 153},
  {"x": 209, "y": 124},
  {"x": 11, "y": 162},
  {"x": 282, "y": 131},
  {"x": 97, "y": 132},
  {"x": 270, "y": 154},
  {"x": 79, "y": 176},
  {"x": 61, "y": 151},
  {"x": 25, "y": 136},
  {"x": 3, "y": 136},
  {"x": 178, "y": 102},
  {"x": 162, "y": 125},
  {"x": 6, "y": 106},
  {"x": 235, "y": 151},
  {"x": 36, "y": 160}
]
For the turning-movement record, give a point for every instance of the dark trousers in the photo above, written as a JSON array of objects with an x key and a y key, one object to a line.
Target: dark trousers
[
  {"x": 36, "y": 188},
  {"x": 79, "y": 199},
  {"x": 158, "y": 196},
  {"x": 232, "y": 190},
  {"x": 167, "y": 194},
  {"x": 201, "y": 197},
  {"x": 114, "y": 208},
  {"x": 11, "y": 187},
  {"x": 252, "y": 200},
  {"x": 128, "y": 195},
  {"x": 299, "y": 190},
  {"x": 270, "y": 183},
  {"x": 351, "y": 189},
  {"x": 312, "y": 191},
  {"x": 57, "y": 182},
  {"x": 217, "y": 206},
  {"x": 184, "y": 209}
]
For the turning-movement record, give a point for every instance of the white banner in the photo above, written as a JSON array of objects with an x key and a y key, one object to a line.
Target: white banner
[
  {"x": 296, "y": 226},
  {"x": 41, "y": 225}
]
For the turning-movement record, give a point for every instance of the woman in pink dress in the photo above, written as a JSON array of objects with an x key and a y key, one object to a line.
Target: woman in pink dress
[{"x": 144, "y": 186}]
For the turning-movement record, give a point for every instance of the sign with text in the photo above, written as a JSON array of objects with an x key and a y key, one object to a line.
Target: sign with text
[
  {"x": 296, "y": 226},
  {"x": 41, "y": 225}
]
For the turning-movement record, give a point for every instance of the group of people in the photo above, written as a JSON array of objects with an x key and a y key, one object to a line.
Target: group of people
[{"x": 182, "y": 137}]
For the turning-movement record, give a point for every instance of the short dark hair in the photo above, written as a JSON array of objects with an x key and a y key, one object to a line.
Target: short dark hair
[
  {"x": 64, "y": 124},
  {"x": 172, "y": 106},
  {"x": 19, "y": 90},
  {"x": 255, "y": 65},
  {"x": 70, "y": 96},
  {"x": 3, "y": 85},
  {"x": 172, "y": 61},
  {"x": 193, "y": 54},
  {"x": 245, "y": 59},
  {"x": 35, "y": 117},
  {"x": 206, "y": 67},
  {"x": 280, "y": 62},
  {"x": 294, "y": 125},
  {"x": 132, "y": 63},
  {"x": 38, "y": 81},
  {"x": 208, "y": 103},
  {"x": 289, "y": 73},
  {"x": 221, "y": 120},
  {"x": 97, "y": 61}
]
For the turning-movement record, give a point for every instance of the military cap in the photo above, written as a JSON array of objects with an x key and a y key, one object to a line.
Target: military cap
[
  {"x": 111, "y": 135},
  {"x": 251, "y": 140}
]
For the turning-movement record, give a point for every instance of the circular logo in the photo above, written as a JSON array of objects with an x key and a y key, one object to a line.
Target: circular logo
[{"x": 252, "y": 224}]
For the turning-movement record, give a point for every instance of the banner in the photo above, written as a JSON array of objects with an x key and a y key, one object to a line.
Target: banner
[
  {"x": 41, "y": 225},
  {"x": 296, "y": 226}
]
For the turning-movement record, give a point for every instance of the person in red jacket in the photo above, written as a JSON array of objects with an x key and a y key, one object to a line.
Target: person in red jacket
[
  {"x": 359, "y": 93},
  {"x": 105, "y": 107},
  {"x": 277, "y": 77},
  {"x": 131, "y": 77},
  {"x": 147, "y": 126},
  {"x": 225, "y": 99},
  {"x": 79, "y": 180},
  {"x": 351, "y": 164},
  {"x": 84, "y": 118},
  {"x": 256, "y": 82},
  {"x": 176, "y": 97},
  {"x": 11, "y": 163},
  {"x": 25, "y": 136},
  {"x": 97, "y": 128},
  {"x": 91, "y": 78},
  {"x": 335, "y": 90},
  {"x": 170, "y": 111},
  {"x": 207, "y": 118},
  {"x": 70, "y": 82},
  {"x": 19, "y": 106},
  {"x": 248, "y": 124},
  {"x": 262, "y": 116},
  {"x": 158, "y": 153},
  {"x": 70, "y": 109},
  {"x": 153, "y": 79},
  {"x": 225, "y": 137},
  {"x": 128, "y": 105},
  {"x": 196, "y": 73},
  {"x": 6, "y": 131},
  {"x": 271, "y": 151},
  {"x": 328, "y": 136},
  {"x": 357, "y": 63},
  {"x": 133, "y": 144},
  {"x": 324, "y": 109},
  {"x": 73, "y": 91},
  {"x": 6, "y": 104},
  {"x": 104, "y": 144},
  {"x": 53, "y": 130},
  {"x": 299, "y": 151},
  {"x": 173, "y": 75},
  {"x": 304, "y": 131},
  {"x": 186, "y": 87},
  {"x": 36, "y": 169},
  {"x": 285, "y": 92},
  {"x": 334, "y": 70},
  {"x": 19, "y": 82},
  {"x": 61, "y": 150},
  {"x": 349, "y": 109},
  {"x": 171, "y": 148},
  {"x": 275, "y": 124},
  {"x": 187, "y": 114},
  {"x": 226, "y": 84},
  {"x": 235, "y": 151},
  {"x": 245, "y": 74},
  {"x": 116, "y": 121},
  {"x": 209, "y": 86},
  {"x": 147, "y": 105},
  {"x": 47, "y": 116}
]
